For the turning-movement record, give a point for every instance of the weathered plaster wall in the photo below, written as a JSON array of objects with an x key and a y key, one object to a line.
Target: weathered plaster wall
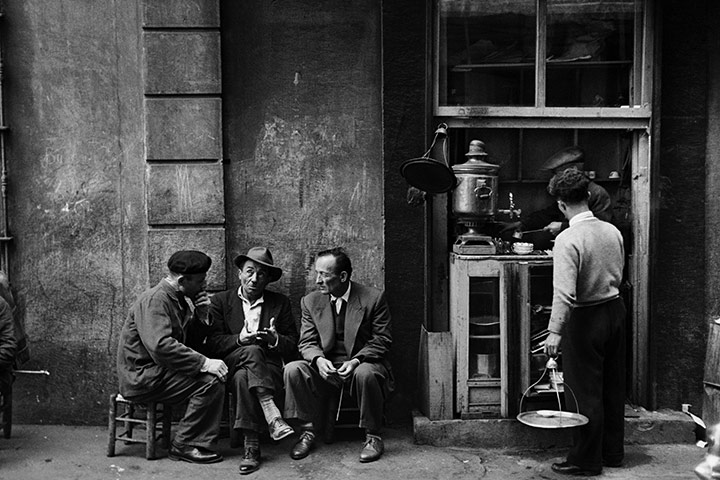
[
  {"x": 75, "y": 157},
  {"x": 711, "y": 398},
  {"x": 303, "y": 134},
  {"x": 405, "y": 117},
  {"x": 678, "y": 320}
]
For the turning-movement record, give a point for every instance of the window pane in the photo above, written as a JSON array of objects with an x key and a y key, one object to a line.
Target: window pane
[
  {"x": 487, "y": 52},
  {"x": 589, "y": 53}
]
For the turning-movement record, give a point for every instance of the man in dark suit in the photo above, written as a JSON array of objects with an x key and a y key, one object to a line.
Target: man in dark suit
[
  {"x": 158, "y": 358},
  {"x": 253, "y": 330},
  {"x": 344, "y": 340}
]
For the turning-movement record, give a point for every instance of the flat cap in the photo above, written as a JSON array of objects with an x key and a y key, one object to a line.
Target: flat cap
[
  {"x": 564, "y": 157},
  {"x": 189, "y": 262}
]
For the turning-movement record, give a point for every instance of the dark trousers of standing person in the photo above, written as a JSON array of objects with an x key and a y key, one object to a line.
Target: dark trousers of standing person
[
  {"x": 593, "y": 350},
  {"x": 205, "y": 394},
  {"x": 250, "y": 369},
  {"x": 306, "y": 392}
]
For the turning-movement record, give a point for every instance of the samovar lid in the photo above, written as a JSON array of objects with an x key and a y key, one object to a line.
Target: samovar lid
[{"x": 476, "y": 160}]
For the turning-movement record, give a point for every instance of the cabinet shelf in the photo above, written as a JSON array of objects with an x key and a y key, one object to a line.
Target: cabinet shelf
[
  {"x": 485, "y": 337},
  {"x": 544, "y": 182},
  {"x": 467, "y": 67},
  {"x": 483, "y": 382}
]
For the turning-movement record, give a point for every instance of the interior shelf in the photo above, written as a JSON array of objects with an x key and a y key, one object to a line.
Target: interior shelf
[{"x": 550, "y": 63}]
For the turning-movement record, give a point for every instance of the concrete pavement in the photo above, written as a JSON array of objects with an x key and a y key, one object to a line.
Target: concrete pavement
[{"x": 51, "y": 452}]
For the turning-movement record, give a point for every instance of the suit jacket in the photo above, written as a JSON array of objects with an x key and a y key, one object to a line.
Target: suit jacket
[
  {"x": 368, "y": 335},
  {"x": 228, "y": 319},
  {"x": 159, "y": 335}
]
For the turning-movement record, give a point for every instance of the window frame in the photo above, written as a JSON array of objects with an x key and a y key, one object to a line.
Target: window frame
[{"x": 636, "y": 115}]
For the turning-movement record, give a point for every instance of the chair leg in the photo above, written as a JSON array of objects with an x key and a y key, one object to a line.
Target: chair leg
[
  {"x": 166, "y": 424},
  {"x": 112, "y": 426},
  {"x": 130, "y": 409},
  {"x": 151, "y": 431}
]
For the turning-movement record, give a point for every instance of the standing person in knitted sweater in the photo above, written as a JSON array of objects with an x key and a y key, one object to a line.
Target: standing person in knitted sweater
[{"x": 588, "y": 322}]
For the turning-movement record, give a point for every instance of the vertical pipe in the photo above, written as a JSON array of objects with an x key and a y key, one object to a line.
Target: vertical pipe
[{"x": 4, "y": 238}]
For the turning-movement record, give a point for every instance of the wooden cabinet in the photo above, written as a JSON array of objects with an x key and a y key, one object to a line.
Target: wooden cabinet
[{"x": 491, "y": 320}]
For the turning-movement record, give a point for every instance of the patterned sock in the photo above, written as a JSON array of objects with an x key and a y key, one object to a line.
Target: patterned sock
[
  {"x": 270, "y": 410},
  {"x": 308, "y": 427},
  {"x": 252, "y": 439}
]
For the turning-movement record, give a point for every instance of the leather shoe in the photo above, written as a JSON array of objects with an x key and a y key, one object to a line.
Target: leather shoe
[
  {"x": 192, "y": 454},
  {"x": 570, "y": 469},
  {"x": 303, "y": 446},
  {"x": 279, "y": 429},
  {"x": 613, "y": 464},
  {"x": 250, "y": 461},
  {"x": 372, "y": 450}
]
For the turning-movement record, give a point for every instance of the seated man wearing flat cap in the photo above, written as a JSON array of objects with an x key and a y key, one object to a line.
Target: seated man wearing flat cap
[
  {"x": 551, "y": 219},
  {"x": 254, "y": 331},
  {"x": 158, "y": 361}
]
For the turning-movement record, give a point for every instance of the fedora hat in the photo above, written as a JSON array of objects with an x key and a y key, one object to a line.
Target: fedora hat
[{"x": 262, "y": 256}]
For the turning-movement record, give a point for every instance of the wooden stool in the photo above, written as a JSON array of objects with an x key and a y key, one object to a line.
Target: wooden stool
[{"x": 158, "y": 417}]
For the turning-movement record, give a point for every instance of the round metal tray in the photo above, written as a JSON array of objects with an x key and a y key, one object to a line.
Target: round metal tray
[{"x": 552, "y": 419}]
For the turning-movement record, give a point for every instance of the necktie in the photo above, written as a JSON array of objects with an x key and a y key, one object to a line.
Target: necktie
[{"x": 339, "y": 315}]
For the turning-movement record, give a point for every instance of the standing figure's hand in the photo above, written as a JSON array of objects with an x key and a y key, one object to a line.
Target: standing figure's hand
[
  {"x": 553, "y": 227},
  {"x": 552, "y": 344}
]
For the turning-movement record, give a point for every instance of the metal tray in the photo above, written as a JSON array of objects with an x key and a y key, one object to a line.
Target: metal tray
[{"x": 552, "y": 419}]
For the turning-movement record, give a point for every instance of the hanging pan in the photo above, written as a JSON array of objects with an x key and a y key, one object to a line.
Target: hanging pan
[{"x": 428, "y": 174}]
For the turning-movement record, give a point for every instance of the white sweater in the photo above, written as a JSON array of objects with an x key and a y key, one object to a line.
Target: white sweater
[{"x": 588, "y": 260}]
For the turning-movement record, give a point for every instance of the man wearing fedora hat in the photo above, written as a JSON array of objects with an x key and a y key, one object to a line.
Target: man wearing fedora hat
[
  {"x": 254, "y": 331},
  {"x": 158, "y": 358}
]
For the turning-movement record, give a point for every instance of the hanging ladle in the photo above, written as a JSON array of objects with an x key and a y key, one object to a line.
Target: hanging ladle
[{"x": 519, "y": 235}]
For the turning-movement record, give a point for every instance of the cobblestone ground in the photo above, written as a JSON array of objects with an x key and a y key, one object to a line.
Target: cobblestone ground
[{"x": 78, "y": 453}]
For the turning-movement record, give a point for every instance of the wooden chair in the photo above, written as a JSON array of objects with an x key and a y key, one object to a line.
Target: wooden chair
[
  {"x": 341, "y": 411},
  {"x": 155, "y": 422}
]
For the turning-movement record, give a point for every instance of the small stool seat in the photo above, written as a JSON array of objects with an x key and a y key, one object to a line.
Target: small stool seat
[{"x": 155, "y": 422}]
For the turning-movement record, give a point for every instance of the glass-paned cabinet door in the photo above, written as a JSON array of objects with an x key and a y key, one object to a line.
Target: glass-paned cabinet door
[
  {"x": 484, "y": 328},
  {"x": 538, "y": 53}
]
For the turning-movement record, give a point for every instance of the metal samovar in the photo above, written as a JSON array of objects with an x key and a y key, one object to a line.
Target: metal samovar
[{"x": 475, "y": 200}]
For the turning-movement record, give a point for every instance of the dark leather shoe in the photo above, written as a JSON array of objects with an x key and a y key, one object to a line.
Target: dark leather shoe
[
  {"x": 192, "y": 454},
  {"x": 372, "y": 450},
  {"x": 303, "y": 446},
  {"x": 613, "y": 464},
  {"x": 570, "y": 469},
  {"x": 251, "y": 461}
]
